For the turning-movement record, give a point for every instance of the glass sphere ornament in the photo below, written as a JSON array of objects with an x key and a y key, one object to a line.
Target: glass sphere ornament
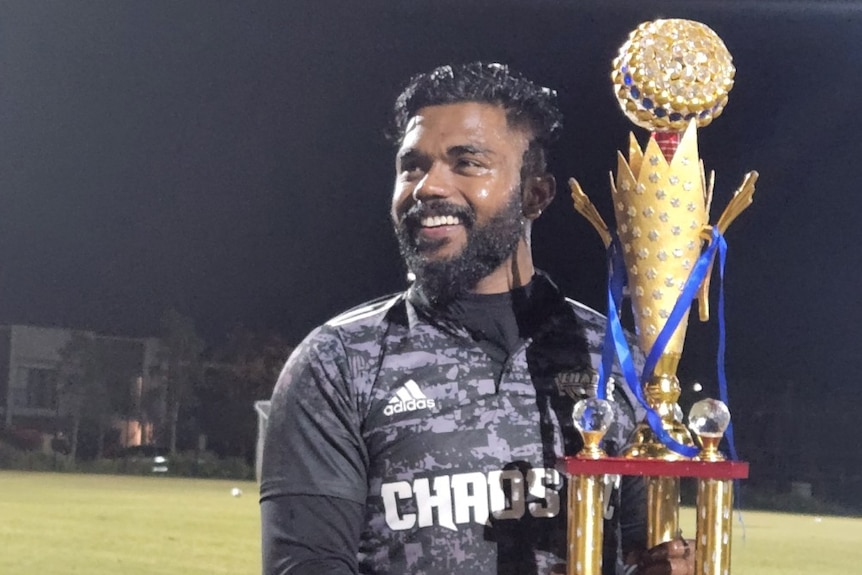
[
  {"x": 592, "y": 417},
  {"x": 709, "y": 419},
  {"x": 593, "y": 414}
]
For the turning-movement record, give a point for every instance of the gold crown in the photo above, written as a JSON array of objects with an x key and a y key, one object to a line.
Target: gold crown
[{"x": 661, "y": 211}]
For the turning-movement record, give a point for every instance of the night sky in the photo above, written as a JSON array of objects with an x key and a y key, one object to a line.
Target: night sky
[{"x": 228, "y": 159}]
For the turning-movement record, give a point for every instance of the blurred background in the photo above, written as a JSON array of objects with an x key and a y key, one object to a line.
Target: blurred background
[{"x": 216, "y": 175}]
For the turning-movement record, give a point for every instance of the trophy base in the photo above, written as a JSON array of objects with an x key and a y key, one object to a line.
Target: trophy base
[{"x": 644, "y": 443}]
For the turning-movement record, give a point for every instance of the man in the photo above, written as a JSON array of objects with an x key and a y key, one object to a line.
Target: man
[{"x": 419, "y": 433}]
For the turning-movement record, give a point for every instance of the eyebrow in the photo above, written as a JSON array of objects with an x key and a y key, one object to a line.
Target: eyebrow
[
  {"x": 407, "y": 155},
  {"x": 407, "y": 152},
  {"x": 454, "y": 151},
  {"x": 469, "y": 149}
]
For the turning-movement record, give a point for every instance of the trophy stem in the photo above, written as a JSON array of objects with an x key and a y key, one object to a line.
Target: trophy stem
[
  {"x": 662, "y": 509},
  {"x": 585, "y": 525},
  {"x": 714, "y": 504},
  {"x": 661, "y": 393}
]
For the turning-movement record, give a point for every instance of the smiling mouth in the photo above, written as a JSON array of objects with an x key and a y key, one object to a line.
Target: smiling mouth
[{"x": 440, "y": 221}]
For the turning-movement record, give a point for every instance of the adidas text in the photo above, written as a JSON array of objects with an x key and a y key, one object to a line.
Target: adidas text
[
  {"x": 409, "y": 405},
  {"x": 408, "y": 398}
]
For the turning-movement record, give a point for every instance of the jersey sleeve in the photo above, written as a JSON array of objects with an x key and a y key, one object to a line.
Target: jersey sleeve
[
  {"x": 313, "y": 443},
  {"x": 310, "y": 535}
]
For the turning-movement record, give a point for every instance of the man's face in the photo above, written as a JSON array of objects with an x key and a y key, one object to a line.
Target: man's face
[{"x": 457, "y": 200}]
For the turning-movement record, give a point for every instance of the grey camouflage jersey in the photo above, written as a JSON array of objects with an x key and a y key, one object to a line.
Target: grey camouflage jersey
[{"x": 388, "y": 407}]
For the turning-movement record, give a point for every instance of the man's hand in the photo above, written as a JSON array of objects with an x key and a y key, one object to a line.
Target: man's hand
[{"x": 675, "y": 557}]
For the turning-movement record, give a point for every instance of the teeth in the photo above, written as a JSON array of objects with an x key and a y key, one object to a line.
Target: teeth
[{"x": 435, "y": 221}]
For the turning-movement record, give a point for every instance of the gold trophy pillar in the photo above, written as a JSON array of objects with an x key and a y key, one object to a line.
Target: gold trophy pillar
[
  {"x": 585, "y": 549},
  {"x": 592, "y": 417},
  {"x": 662, "y": 509},
  {"x": 714, "y": 506},
  {"x": 709, "y": 419}
]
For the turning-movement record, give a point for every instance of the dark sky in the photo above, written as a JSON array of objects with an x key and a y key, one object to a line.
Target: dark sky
[{"x": 228, "y": 159}]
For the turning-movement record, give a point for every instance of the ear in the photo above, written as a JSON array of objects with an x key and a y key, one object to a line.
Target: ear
[{"x": 538, "y": 193}]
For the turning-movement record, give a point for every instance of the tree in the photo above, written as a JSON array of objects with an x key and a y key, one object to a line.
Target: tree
[
  {"x": 181, "y": 366},
  {"x": 86, "y": 392},
  {"x": 242, "y": 370}
]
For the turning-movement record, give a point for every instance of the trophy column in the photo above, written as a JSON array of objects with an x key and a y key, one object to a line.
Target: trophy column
[
  {"x": 709, "y": 420},
  {"x": 662, "y": 509},
  {"x": 585, "y": 549},
  {"x": 661, "y": 393},
  {"x": 592, "y": 417}
]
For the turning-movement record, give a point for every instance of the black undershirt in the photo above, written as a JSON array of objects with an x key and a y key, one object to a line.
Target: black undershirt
[{"x": 492, "y": 320}]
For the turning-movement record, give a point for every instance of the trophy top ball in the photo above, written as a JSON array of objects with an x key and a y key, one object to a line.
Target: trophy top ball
[{"x": 670, "y": 72}]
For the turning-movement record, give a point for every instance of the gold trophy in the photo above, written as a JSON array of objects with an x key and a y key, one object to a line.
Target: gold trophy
[{"x": 671, "y": 77}]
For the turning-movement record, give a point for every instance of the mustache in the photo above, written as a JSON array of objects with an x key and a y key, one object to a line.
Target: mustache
[{"x": 413, "y": 216}]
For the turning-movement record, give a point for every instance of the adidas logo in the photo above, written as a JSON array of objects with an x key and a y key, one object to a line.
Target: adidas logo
[{"x": 408, "y": 398}]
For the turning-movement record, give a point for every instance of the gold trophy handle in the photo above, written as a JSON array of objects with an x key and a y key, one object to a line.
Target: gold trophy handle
[
  {"x": 585, "y": 207},
  {"x": 742, "y": 198},
  {"x": 703, "y": 291}
]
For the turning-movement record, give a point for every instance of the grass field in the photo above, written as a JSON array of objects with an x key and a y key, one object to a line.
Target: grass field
[{"x": 59, "y": 524}]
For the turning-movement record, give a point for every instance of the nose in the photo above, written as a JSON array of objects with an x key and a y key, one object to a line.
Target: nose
[{"x": 433, "y": 185}]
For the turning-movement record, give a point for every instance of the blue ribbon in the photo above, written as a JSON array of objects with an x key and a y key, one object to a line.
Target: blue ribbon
[
  {"x": 616, "y": 281},
  {"x": 616, "y": 343},
  {"x": 722, "y": 378}
]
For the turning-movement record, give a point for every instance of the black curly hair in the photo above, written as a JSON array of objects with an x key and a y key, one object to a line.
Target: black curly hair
[{"x": 527, "y": 104}]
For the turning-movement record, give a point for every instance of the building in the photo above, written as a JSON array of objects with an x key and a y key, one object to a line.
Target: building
[{"x": 32, "y": 380}]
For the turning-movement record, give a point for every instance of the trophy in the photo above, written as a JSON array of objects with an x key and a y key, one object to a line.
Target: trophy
[{"x": 671, "y": 77}]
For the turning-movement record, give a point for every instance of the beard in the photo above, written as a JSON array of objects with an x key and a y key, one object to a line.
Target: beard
[{"x": 487, "y": 247}]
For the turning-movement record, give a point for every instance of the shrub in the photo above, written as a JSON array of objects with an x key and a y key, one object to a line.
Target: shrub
[
  {"x": 22, "y": 438},
  {"x": 114, "y": 467},
  {"x": 23, "y": 460},
  {"x": 789, "y": 502},
  {"x": 8, "y": 456},
  {"x": 205, "y": 464}
]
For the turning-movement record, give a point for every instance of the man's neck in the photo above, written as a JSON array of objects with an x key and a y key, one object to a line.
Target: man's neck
[{"x": 515, "y": 272}]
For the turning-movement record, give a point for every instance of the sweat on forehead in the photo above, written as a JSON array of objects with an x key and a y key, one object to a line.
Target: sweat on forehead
[
  {"x": 470, "y": 117},
  {"x": 474, "y": 124}
]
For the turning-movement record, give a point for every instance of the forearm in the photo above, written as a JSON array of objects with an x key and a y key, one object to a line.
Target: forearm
[{"x": 310, "y": 535}]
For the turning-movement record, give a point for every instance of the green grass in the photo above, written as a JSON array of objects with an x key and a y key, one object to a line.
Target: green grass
[
  {"x": 786, "y": 544},
  {"x": 61, "y": 524}
]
